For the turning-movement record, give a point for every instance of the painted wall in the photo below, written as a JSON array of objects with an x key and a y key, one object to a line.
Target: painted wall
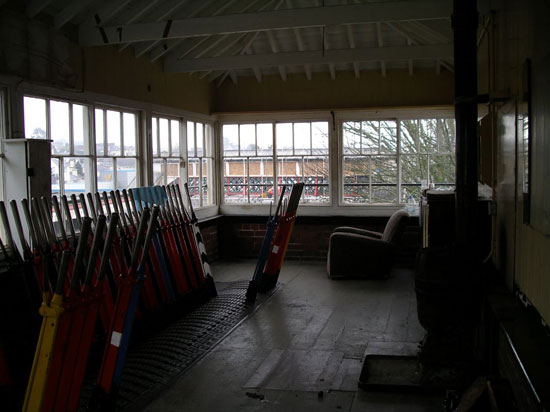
[
  {"x": 520, "y": 31},
  {"x": 31, "y": 50},
  {"x": 397, "y": 88},
  {"x": 139, "y": 79}
]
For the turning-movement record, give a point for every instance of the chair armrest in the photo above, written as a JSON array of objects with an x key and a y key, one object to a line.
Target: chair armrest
[
  {"x": 352, "y": 255},
  {"x": 357, "y": 231}
]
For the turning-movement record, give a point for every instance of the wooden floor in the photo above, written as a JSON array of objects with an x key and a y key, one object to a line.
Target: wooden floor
[{"x": 302, "y": 350}]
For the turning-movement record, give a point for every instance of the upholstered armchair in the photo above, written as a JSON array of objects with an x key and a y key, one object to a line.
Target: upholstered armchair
[{"x": 355, "y": 252}]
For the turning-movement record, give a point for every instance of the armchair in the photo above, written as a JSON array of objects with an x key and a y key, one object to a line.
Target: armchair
[{"x": 355, "y": 252}]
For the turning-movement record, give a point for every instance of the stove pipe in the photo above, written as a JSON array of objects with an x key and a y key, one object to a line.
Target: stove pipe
[{"x": 465, "y": 23}]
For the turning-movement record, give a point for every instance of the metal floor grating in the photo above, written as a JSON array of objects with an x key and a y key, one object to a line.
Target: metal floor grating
[{"x": 155, "y": 362}]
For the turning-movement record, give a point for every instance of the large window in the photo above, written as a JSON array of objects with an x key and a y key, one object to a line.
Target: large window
[
  {"x": 387, "y": 161},
  {"x": 167, "y": 156},
  {"x": 116, "y": 135},
  {"x": 68, "y": 126},
  {"x": 299, "y": 151},
  {"x": 200, "y": 163},
  {"x": 91, "y": 149}
]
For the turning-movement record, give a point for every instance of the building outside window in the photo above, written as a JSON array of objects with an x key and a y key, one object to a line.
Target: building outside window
[
  {"x": 167, "y": 156},
  {"x": 387, "y": 161},
  {"x": 298, "y": 150},
  {"x": 200, "y": 163}
]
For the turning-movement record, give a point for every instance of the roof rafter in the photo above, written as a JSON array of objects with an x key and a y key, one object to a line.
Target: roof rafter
[
  {"x": 351, "y": 40},
  {"x": 171, "y": 45},
  {"x": 65, "y": 15},
  {"x": 380, "y": 44},
  {"x": 410, "y": 40},
  {"x": 140, "y": 50},
  {"x": 36, "y": 6},
  {"x": 270, "y": 20},
  {"x": 425, "y": 52},
  {"x": 275, "y": 49}
]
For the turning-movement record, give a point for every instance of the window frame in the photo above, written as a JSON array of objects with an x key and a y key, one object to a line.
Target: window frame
[
  {"x": 138, "y": 151},
  {"x": 275, "y": 119},
  {"x": 181, "y": 157},
  {"x": 208, "y": 152},
  {"x": 396, "y": 115}
]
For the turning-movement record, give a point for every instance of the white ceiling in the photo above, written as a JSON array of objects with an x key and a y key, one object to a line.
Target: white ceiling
[{"x": 226, "y": 39}]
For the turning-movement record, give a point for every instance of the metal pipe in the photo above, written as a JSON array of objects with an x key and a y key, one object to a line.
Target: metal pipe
[{"x": 465, "y": 23}]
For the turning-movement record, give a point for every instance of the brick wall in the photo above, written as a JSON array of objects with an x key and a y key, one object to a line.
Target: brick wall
[
  {"x": 242, "y": 236},
  {"x": 210, "y": 237}
]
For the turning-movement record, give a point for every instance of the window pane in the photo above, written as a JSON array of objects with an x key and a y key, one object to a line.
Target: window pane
[
  {"x": 384, "y": 179},
  {"x": 414, "y": 168},
  {"x": 319, "y": 137},
  {"x": 261, "y": 179},
  {"x": 56, "y": 189},
  {"x": 159, "y": 172},
  {"x": 105, "y": 174},
  {"x": 175, "y": 135},
  {"x": 206, "y": 181},
  {"x": 77, "y": 173},
  {"x": 234, "y": 183},
  {"x": 351, "y": 132},
  {"x": 173, "y": 171},
  {"x": 356, "y": 179},
  {"x": 427, "y": 135},
  {"x": 230, "y": 134},
  {"x": 446, "y": 135},
  {"x": 193, "y": 179},
  {"x": 442, "y": 169},
  {"x": 407, "y": 190},
  {"x": 59, "y": 124},
  {"x": 164, "y": 138},
  {"x": 129, "y": 121},
  {"x": 99, "y": 132},
  {"x": 289, "y": 171},
  {"x": 384, "y": 194},
  {"x": 302, "y": 138},
  {"x": 384, "y": 169},
  {"x": 409, "y": 136},
  {"x": 154, "y": 136},
  {"x": 265, "y": 139},
  {"x": 199, "y": 130},
  {"x": 35, "y": 118},
  {"x": 113, "y": 133},
  {"x": 248, "y": 139},
  {"x": 388, "y": 136},
  {"x": 80, "y": 130},
  {"x": 283, "y": 133},
  {"x": 316, "y": 178},
  {"x": 126, "y": 173},
  {"x": 190, "y": 139},
  {"x": 370, "y": 137}
]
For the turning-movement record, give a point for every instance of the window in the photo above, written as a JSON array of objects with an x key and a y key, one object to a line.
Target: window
[
  {"x": 116, "y": 136},
  {"x": 247, "y": 162},
  {"x": 3, "y": 113},
  {"x": 167, "y": 156},
  {"x": 254, "y": 170},
  {"x": 68, "y": 126},
  {"x": 302, "y": 156},
  {"x": 82, "y": 139},
  {"x": 386, "y": 161},
  {"x": 200, "y": 163}
]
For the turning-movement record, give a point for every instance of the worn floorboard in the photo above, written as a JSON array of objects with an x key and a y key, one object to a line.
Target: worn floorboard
[{"x": 302, "y": 350}]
